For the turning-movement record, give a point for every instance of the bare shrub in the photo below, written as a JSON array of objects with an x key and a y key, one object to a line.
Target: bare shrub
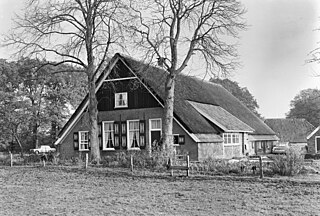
[
  {"x": 289, "y": 164},
  {"x": 141, "y": 159},
  {"x": 216, "y": 166}
]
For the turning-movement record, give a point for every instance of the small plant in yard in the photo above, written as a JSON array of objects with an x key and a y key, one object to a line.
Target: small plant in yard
[{"x": 287, "y": 165}]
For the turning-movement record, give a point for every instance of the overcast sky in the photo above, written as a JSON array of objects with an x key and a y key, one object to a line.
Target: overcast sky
[{"x": 273, "y": 50}]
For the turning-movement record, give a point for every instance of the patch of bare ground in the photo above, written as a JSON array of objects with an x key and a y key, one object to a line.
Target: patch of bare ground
[{"x": 105, "y": 191}]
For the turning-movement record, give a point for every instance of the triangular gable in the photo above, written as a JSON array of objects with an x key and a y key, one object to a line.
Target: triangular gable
[
  {"x": 104, "y": 76},
  {"x": 85, "y": 102},
  {"x": 221, "y": 118}
]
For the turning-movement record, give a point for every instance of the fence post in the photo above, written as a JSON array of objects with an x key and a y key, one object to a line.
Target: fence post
[
  {"x": 86, "y": 163},
  {"x": 261, "y": 169},
  {"x": 131, "y": 163},
  {"x": 11, "y": 160},
  {"x": 188, "y": 165}
]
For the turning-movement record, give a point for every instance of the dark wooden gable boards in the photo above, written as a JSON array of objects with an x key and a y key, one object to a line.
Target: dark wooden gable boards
[{"x": 124, "y": 81}]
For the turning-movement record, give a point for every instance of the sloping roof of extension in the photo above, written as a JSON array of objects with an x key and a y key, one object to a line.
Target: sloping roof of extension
[
  {"x": 189, "y": 88},
  {"x": 220, "y": 117},
  {"x": 186, "y": 89},
  {"x": 291, "y": 130}
]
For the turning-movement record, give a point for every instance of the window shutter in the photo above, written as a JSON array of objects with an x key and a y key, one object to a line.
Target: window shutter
[
  {"x": 124, "y": 135},
  {"x": 89, "y": 145},
  {"x": 142, "y": 134},
  {"x": 100, "y": 135},
  {"x": 181, "y": 140},
  {"x": 117, "y": 127},
  {"x": 76, "y": 141}
]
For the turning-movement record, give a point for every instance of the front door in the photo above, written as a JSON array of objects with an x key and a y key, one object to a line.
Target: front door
[
  {"x": 155, "y": 138},
  {"x": 317, "y": 144}
]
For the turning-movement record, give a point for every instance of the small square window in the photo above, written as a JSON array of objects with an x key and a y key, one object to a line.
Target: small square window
[
  {"x": 175, "y": 139},
  {"x": 121, "y": 99}
]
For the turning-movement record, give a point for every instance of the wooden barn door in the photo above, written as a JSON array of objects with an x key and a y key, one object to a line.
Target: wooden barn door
[{"x": 317, "y": 144}]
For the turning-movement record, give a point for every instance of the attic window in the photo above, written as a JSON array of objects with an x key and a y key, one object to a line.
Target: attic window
[{"x": 121, "y": 100}]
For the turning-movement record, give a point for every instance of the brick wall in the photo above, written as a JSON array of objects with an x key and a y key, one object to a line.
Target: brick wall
[
  {"x": 231, "y": 151},
  {"x": 67, "y": 149},
  {"x": 210, "y": 150}
]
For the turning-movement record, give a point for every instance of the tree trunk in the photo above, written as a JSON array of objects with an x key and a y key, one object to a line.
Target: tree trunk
[
  {"x": 93, "y": 117},
  {"x": 167, "y": 124},
  {"x": 35, "y": 134},
  {"x": 18, "y": 141}
]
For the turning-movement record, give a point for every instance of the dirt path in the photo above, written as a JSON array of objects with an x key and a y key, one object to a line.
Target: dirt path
[{"x": 68, "y": 191}]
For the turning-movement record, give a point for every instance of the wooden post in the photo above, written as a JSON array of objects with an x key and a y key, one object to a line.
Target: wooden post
[
  {"x": 261, "y": 169},
  {"x": 86, "y": 163},
  {"x": 11, "y": 160},
  {"x": 131, "y": 163},
  {"x": 170, "y": 165},
  {"x": 188, "y": 165}
]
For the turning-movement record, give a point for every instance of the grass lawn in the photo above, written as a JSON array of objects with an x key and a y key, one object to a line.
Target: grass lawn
[{"x": 105, "y": 191}]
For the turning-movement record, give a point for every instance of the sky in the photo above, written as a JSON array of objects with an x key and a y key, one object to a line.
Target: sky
[{"x": 273, "y": 50}]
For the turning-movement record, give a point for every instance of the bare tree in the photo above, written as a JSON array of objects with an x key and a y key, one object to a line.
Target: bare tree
[
  {"x": 174, "y": 31},
  {"x": 79, "y": 32}
]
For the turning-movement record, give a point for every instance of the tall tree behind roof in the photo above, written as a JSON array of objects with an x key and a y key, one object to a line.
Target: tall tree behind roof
[
  {"x": 242, "y": 93},
  {"x": 80, "y": 32},
  {"x": 306, "y": 104},
  {"x": 172, "y": 32}
]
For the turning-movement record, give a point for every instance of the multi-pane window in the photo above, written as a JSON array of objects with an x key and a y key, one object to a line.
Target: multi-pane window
[
  {"x": 108, "y": 135},
  {"x": 155, "y": 124},
  {"x": 83, "y": 140},
  {"x": 121, "y": 99},
  {"x": 133, "y": 134},
  {"x": 231, "y": 138}
]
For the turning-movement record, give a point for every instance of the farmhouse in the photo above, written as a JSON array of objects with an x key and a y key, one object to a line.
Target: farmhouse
[
  {"x": 296, "y": 133},
  {"x": 208, "y": 120}
]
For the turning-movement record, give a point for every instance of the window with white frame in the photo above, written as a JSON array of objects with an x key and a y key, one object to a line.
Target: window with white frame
[
  {"x": 231, "y": 138},
  {"x": 108, "y": 135},
  {"x": 121, "y": 99},
  {"x": 133, "y": 134},
  {"x": 83, "y": 140}
]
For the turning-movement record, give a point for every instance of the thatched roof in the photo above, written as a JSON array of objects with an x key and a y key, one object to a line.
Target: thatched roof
[
  {"x": 221, "y": 118},
  {"x": 291, "y": 130},
  {"x": 200, "y": 91}
]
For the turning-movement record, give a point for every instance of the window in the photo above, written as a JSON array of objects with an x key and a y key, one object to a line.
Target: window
[
  {"x": 108, "y": 129},
  {"x": 133, "y": 134},
  {"x": 121, "y": 99},
  {"x": 178, "y": 139},
  {"x": 175, "y": 139},
  {"x": 83, "y": 140},
  {"x": 231, "y": 138},
  {"x": 155, "y": 124}
]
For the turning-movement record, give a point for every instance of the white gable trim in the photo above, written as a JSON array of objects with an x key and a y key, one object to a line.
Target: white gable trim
[
  {"x": 76, "y": 119},
  {"x": 119, "y": 79},
  {"x": 313, "y": 133}
]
